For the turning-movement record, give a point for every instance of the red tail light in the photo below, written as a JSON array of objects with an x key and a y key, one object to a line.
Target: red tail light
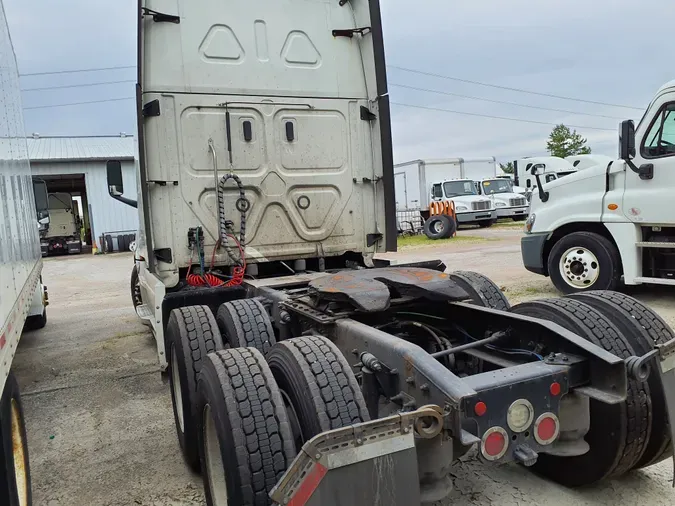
[
  {"x": 494, "y": 444},
  {"x": 546, "y": 429}
]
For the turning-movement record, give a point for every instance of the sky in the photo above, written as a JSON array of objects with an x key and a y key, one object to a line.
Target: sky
[{"x": 610, "y": 51}]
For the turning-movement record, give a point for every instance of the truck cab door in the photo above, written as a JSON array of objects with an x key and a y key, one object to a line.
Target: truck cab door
[{"x": 648, "y": 196}]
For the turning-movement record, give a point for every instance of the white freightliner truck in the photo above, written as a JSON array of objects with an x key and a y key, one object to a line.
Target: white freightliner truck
[
  {"x": 303, "y": 369},
  {"x": 419, "y": 183},
  {"x": 549, "y": 168},
  {"x": 62, "y": 233},
  {"x": 23, "y": 298},
  {"x": 612, "y": 223},
  {"x": 507, "y": 203}
]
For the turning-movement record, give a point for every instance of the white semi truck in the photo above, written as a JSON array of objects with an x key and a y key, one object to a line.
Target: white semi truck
[
  {"x": 23, "y": 298},
  {"x": 62, "y": 233},
  {"x": 549, "y": 168},
  {"x": 612, "y": 223},
  {"x": 303, "y": 369},
  {"x": 420, "y": 183}
]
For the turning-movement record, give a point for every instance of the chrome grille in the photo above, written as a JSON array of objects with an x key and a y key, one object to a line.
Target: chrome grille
[
  {"x": 518, "y": 202},
  {"x": 480, "y": 206}
]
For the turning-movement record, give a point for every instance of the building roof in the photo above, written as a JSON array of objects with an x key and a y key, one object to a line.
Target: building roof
[{"x": 53, "y": 149}]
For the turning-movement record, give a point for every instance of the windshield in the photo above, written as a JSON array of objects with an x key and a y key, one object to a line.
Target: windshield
[
  {"x": 457, "y": 188},
  {"x": 497, "y": 186}
]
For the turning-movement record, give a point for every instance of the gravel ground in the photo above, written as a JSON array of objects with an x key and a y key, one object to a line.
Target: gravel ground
[{"x": 100, "y": 423}]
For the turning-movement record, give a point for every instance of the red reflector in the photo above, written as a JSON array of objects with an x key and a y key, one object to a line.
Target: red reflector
[
  {"x": 546, "y": 429},
  {"x": 494, "y": 444},
  {"x": 480, "y": 408},
  {"x": 555, "y": 388}
]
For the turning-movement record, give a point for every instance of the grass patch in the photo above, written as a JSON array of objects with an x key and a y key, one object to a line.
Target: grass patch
[
  {"x": 412, "y": 241},
  {"x": 508, "y": 223}
]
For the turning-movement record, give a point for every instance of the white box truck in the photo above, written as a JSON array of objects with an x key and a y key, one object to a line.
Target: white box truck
[
  {"x": 612, "y": 223},
  {"x": 300, "y": 365},
  {"x": 23, "y": 298},
  {"x": 419, "y": 183}
]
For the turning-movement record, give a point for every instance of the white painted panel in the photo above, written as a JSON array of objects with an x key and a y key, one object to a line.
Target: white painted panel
[{"x": 19, "y": 242}]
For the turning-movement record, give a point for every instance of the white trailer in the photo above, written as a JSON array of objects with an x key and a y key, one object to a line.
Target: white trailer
[
  {"x": 420, "y": 182},
  {"x": 22, "y": 296}
]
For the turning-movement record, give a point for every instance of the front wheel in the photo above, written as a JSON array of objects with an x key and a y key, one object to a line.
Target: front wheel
[
  {"x": 584, "y": 261},
  {"x": 136, "y": 297}
]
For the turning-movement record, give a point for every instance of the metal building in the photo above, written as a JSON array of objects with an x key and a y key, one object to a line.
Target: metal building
[{"x": 77, "y": 165}]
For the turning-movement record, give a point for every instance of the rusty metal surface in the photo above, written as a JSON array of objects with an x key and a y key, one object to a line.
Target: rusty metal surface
[{"x": 369, "y": 290}]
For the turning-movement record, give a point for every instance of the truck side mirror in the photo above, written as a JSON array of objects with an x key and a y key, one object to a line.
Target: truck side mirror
[
  {"x": 627, "y": 140},
  {"x": 115, "y": 182},
  {"x": 41, "y": 204}
]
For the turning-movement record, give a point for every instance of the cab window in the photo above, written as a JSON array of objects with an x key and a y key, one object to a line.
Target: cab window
[
  {"x": 660, "y": 140},
  {"x": 437, "y": 191}
]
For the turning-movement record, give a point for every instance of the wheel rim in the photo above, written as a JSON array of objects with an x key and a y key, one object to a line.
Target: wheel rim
[
  {"x": 437, "y": 227},
  {"x": 293, "y": 420},
  {"x": 579, "y": 267},
  {"x": 177, "y": 390},
  {"x": 19, "y": 455},
  {"x": 214, "y": 460},
  {"x": 137, "y": 293}
]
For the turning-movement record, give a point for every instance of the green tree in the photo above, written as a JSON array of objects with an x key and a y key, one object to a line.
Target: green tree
[
  {"x": 564, "y": 142},
  {"x": 507, "y": 167}
]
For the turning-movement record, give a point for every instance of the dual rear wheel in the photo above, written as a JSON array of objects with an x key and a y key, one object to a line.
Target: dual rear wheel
[{"x": 244, "y": 405}]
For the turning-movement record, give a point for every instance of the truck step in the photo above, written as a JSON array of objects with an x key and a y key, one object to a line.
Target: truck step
[
  {"x": 144, "y": 312},
  {"x": 656, "y": 281},
  {"x": 648, "y": 244}
]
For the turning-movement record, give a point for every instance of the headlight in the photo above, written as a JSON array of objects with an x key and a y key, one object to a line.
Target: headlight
[
  {"x": 530, "y": 223},
  {"x": 461, "y": 208},
  {"x": 500, "y": 204}
]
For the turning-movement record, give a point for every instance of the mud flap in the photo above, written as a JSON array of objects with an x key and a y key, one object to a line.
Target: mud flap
[
  {"x": 368, "y": 464},
  {"x": 666, "y": 359}
]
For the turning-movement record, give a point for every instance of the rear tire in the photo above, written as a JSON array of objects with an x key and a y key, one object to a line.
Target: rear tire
[
  {"x": 584, "y": 261},
  {"x": 643, "y": 328},
  {"x": 191, "y": 333},
  {"x": 245, "y": 440},
  {"x": 246, "y": 324},
  {"x": 15, "y": 481},
  {"x": 440, "y": 227},
  {"x": 36, "y": 322},
  {"x": 317, "y": 382},
  {"x": 482, "y": 290},
  {"x": 618, "y": 433}
]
